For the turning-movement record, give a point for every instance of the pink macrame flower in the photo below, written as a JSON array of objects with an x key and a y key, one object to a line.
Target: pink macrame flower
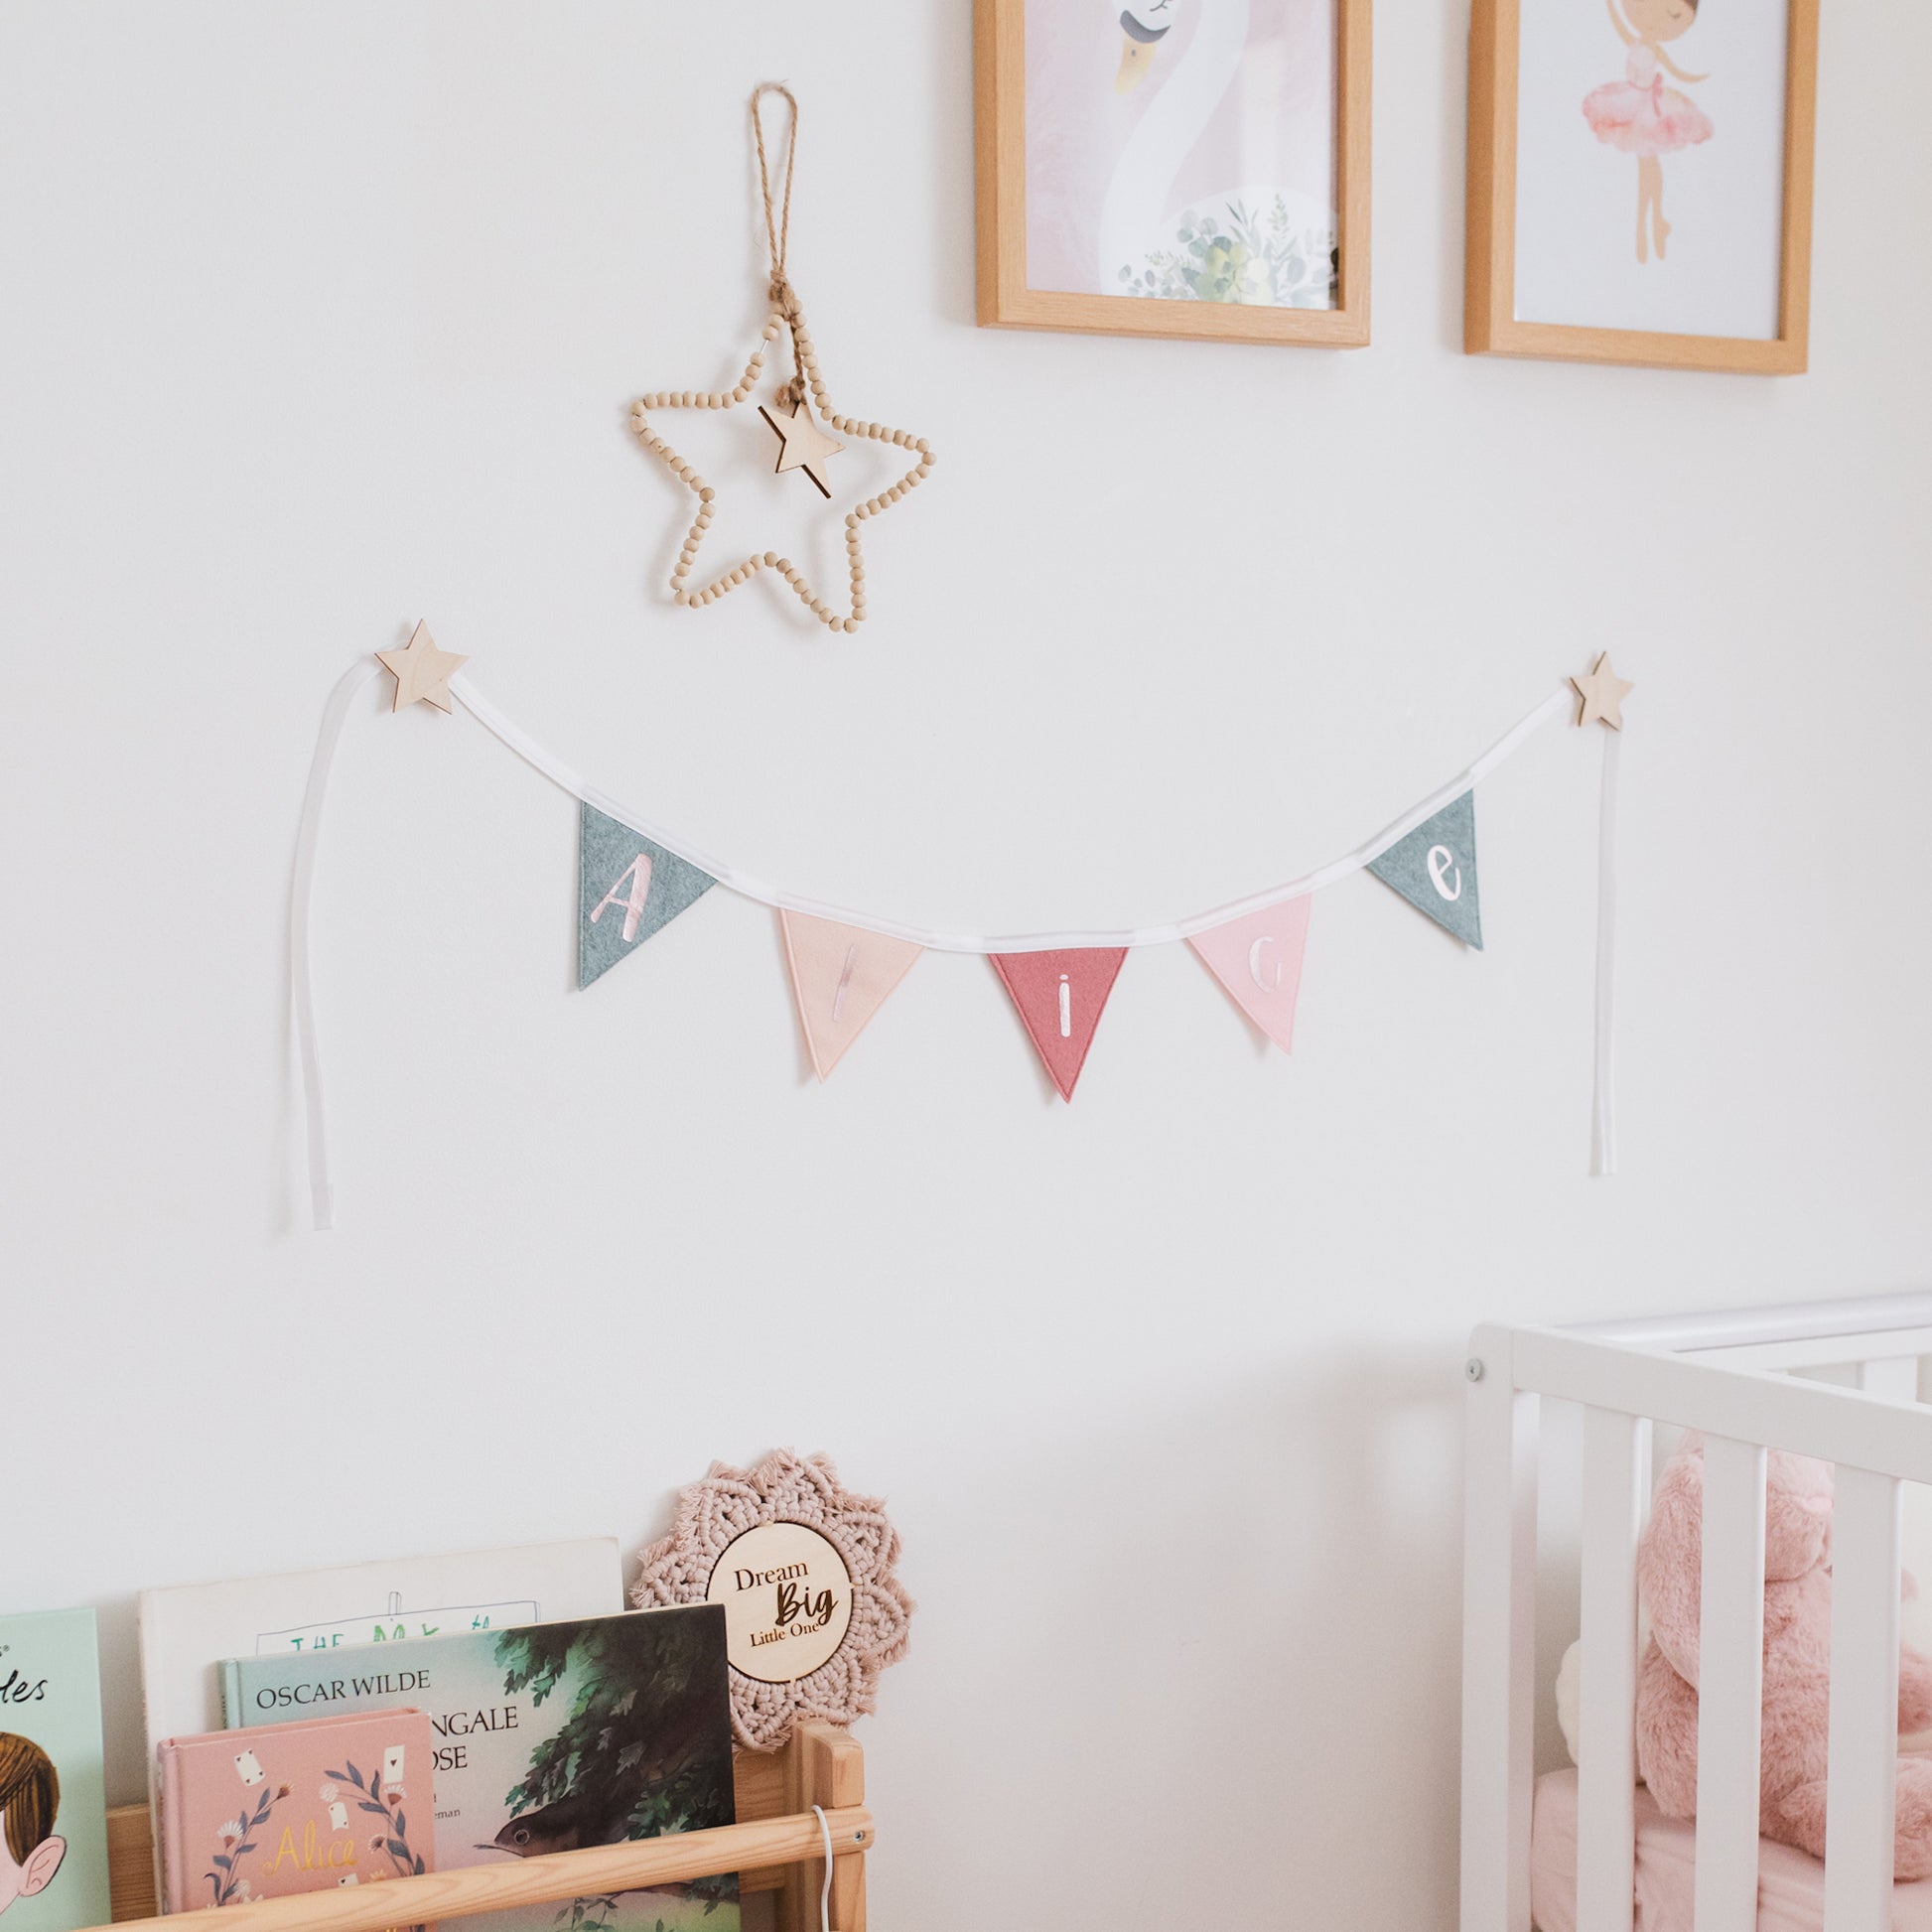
[{"x": 788, "y": 1488}]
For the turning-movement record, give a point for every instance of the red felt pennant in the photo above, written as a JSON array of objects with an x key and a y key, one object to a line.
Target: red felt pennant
[{"x": 1060, "y": 996}]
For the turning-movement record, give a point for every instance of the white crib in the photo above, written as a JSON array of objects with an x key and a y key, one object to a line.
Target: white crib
[{"x": 1727, "y": 1374}]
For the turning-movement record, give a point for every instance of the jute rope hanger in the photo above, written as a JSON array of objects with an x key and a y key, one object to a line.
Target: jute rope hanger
[{"x": 803, "y": 445}]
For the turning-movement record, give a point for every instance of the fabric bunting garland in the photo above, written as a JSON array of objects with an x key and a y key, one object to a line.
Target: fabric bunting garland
[{"x": 634, "y": 879}]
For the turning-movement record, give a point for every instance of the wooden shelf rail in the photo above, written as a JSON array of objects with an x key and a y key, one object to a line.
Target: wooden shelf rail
[{"x": 777, "y": 1846}]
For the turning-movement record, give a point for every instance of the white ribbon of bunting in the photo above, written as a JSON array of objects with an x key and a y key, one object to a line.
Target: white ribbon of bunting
[
  {"x": 1603, "y": 1129},
  {"x": 464, "y": 689}
]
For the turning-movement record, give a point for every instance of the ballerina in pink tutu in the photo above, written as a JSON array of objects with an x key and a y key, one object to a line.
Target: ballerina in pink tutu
[{"x": 1642, "y": 116}]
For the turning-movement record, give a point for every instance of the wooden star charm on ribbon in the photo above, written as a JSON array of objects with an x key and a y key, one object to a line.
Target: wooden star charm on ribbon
[
  {"x": 1602, "y": 693},
  {"x": 422, "y": 672},
  {"x": 803, "y": 447}
]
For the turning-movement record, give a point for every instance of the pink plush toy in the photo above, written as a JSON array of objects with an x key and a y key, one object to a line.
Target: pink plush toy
[{"x": 1797, "y": 1659}]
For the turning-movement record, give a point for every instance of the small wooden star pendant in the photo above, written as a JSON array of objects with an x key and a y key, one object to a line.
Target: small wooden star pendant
[
  {"x": 422, "y": 671},
  {"x": 1602, "y": 693},
  {"x": 803, "y": 445}
]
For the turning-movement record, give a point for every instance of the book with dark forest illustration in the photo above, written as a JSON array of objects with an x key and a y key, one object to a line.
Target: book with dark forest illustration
[{"x": 549, "y": 1737}]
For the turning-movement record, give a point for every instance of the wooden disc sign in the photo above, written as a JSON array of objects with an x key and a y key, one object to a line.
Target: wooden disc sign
[{"x": 806, "y": 1572}]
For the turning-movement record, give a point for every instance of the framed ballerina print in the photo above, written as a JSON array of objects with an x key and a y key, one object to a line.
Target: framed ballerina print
[
  {"x": 1194, "y": 168},
  {"x": 1640, "y": 182}
]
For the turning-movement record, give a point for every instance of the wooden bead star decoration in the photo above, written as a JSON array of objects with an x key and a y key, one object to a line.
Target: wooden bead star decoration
[
  {"x": 803, "y": 442},
  {"x": 1602, "y": 693}
]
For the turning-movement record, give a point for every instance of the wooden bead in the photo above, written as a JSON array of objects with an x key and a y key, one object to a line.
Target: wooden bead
[
  {"x": 851, "y": 624},
  {"x": 707, "y": 494},
  {"x": 681, "y": 597}
]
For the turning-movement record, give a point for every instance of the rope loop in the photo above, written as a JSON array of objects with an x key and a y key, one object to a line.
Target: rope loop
[{"x": 777, "y": 228}]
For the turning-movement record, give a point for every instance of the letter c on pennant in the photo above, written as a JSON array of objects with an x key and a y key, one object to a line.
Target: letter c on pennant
[
  {"x": 1258, "y": 956},
  {"x": 1442, "y": 861},
  {"x": 633, "y": 901}
]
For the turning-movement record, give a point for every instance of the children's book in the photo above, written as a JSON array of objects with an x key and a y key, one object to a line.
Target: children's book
[
  {"x": 548, "y": 1739},
  {"x": 188, "y": 1631},
  {"x": 53, "y": 1798},
  {"x": 339, "y": 1800}
]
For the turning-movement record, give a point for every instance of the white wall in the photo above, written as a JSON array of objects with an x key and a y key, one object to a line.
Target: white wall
[{"x": 321, "y": 318}]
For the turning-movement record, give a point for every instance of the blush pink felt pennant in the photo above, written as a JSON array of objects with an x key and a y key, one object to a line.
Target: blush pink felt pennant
[
  {"x": 841, "y": 976},
  {"x": 1259, "y": 960},
  {"x": 1060, "y": 996}
]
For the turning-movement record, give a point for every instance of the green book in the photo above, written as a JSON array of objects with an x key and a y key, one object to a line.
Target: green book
[
  {"x": 547, "y": 1738},
  {"x": 53, "y": 1794}
]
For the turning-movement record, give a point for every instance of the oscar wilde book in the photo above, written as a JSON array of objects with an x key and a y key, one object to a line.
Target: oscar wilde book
[
  {"x": 53, "y": 1800},
  {"x": 186, "y": 1631},
  {"x": 331, "y": 1801},
  {"x": 549, "y": 1738}
]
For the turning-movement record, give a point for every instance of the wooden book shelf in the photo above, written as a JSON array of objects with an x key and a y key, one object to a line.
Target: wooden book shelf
[{"x": 777, "y": 1845}]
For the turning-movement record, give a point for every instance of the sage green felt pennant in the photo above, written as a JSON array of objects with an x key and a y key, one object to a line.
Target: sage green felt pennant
[
  {"x": 1434, "y": 869},
  {"x": 628, "y": 888}
]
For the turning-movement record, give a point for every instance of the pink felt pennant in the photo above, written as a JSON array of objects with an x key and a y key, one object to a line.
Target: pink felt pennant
[
  {"x": 841, "y": 976},
  {"x": 1060, "y": 996},
  {"x": 1259, "y": 960}
]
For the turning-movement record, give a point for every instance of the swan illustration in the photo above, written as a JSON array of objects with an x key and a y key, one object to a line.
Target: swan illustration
[{"x": 1252, "y": 243}]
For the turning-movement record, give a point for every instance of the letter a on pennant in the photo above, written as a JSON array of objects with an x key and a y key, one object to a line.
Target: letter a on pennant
[
  {"x": 628, "y": 888},
  {"x": 1060, "y": 996},
  {"x": 1259, "y": 960},
  {"x": 841, "y": 975},
  {"x": 1434, "y": 869}
]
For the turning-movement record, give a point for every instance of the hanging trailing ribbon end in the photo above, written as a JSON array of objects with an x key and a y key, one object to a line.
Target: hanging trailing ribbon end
[{"x": 1602, "y": 693}]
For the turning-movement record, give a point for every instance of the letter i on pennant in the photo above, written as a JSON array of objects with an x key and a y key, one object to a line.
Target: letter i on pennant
[
  {"x": 841, "y": 975},
  {"x": 1258, "y": 959},
  {"x": 1059, "y": 997}
]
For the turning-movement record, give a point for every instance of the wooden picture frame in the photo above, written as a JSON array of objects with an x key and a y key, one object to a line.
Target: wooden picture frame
[
  {"x": 1491, "y": 325},
  {"x": 1006, "y": 301}
]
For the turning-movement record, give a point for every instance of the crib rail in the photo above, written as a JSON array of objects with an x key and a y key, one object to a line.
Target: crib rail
[{"x": 1722, "y": 1385}]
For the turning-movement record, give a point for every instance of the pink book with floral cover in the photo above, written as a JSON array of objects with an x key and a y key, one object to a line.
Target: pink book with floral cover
[{"x": 342, "y": 1799}]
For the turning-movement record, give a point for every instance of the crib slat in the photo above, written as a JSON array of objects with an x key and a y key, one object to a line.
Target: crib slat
[
  {"x": 1864, "y": 1742},
  {"x": 1498, "y": 1643},
  {"x": 1894, "y": 1378},
  {"x": 1730, "y": 1673},
  {"x": 1607, "y": 1776}
]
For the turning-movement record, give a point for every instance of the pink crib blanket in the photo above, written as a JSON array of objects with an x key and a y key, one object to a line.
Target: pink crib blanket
[{"x": 1790, "y": 1885}]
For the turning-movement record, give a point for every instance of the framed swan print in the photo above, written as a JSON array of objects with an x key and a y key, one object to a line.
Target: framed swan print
[
  {"x": 1193, "y": 168},
  {"x": 1640, "y": 182}
]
